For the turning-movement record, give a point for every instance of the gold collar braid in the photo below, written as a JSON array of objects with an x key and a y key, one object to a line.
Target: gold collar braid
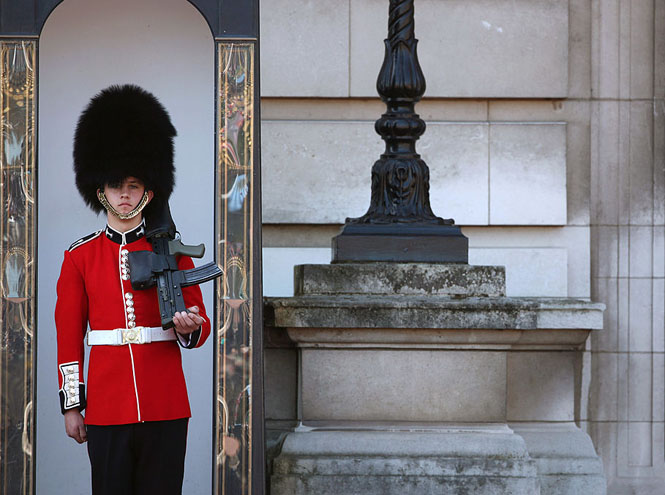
[{"x": 123, "y": 216}]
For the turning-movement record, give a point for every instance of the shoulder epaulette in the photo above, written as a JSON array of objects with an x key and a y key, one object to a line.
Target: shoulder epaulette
[{"x": 85, "y": 239}]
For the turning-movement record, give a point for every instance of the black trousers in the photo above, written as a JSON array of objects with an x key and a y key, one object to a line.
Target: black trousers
[{"x": 138, "y": 459}]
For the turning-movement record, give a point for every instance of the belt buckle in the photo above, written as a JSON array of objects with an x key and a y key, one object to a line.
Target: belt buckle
[{"x": 131, "y": 335}]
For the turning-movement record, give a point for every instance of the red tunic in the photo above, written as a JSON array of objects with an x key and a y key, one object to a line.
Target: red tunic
[{"x": 126, "y": 383}]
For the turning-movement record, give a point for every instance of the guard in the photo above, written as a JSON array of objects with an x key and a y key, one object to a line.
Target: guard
[{"x": 136, "y": 406}]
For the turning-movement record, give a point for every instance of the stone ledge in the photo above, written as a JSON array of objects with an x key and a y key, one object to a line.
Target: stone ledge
[
  {"x": 434, "y": 312},
  {"x": 427, "y": 338},
  {"x": 400, "y": 278},
  {"x": 492, "y": 439}
]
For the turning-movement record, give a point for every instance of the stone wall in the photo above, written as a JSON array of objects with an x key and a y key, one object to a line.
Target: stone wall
[
  {"x": 545, "y": 141},
  {"x": 627, "y": 238}
]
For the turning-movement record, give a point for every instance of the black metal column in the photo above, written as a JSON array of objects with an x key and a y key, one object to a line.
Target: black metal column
[{"x": 399, "y": 224}]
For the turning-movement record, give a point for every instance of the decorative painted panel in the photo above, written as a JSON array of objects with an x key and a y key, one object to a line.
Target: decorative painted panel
[
  {"x": 235, "y": 189},
  {"x": 17, "y": 254}
]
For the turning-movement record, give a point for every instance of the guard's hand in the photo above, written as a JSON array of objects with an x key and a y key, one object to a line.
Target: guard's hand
[
  {"x": 74, "y": 425},
  {"x": 188, "y": 321}
]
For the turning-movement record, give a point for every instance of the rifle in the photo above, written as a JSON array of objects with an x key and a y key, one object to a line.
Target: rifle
[{"x": 160, "y": 268}]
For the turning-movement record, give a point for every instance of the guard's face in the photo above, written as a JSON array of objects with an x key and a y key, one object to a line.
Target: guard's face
[{"x": 126, "y": 195}]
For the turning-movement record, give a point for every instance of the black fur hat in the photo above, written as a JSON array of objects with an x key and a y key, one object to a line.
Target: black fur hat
[{"x": 124, "y": 131}]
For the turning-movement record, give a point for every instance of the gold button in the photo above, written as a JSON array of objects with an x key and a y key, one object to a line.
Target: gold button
[
  {"x": 131, "y": 324},
  {"x": 129, "y": 295},
  {"x": 124, "y": 251}
]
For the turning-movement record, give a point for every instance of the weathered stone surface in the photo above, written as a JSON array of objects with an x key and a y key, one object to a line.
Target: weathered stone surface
[
  {"x": 565, "y": 458},
  {"x": 402, "y": 384},
  {"x": 448, "y": 461},
  {"x": 552, "y": 339},
  {"x": 360, "y": 311},
  {"x": 400, "y": 278},
  {"x": 382, "y": 351},
  {"x": 541, "y": 386}
]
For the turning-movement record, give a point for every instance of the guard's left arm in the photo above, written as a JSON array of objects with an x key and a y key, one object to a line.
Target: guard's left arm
[{"x": 189, "y": 334}]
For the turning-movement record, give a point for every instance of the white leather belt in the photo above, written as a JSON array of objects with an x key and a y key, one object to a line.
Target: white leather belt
[{"x": 123, "y": 336}]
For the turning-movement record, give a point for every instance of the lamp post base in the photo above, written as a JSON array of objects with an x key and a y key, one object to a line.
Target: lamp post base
[{"x": 417, "y": 242}]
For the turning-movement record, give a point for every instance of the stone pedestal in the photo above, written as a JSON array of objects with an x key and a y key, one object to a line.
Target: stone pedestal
[
  {"x": 425, "y": 378},
  {"x": 448, "y": 460}
]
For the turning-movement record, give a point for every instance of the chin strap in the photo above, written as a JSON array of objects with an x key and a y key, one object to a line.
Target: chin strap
[{"x": 123, "y": 216}]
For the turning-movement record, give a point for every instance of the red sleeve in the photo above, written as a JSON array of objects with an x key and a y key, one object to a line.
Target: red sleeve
[
  {"x": 71, "y": 322},
  {"x": 193, "y": 297}
]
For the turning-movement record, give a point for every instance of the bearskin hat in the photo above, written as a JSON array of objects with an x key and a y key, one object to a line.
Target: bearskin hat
[{"x": 124, "y": 131}]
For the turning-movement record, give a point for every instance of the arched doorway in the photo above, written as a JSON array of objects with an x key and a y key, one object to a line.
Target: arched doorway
[
  {"x": 65, "y": 82},
  {"x": 166, "y": 47}
]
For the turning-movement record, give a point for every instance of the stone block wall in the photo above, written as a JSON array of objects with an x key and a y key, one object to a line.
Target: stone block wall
[
  {"x": 626, "y": 407},
  {"x": 545, "y": 141}
]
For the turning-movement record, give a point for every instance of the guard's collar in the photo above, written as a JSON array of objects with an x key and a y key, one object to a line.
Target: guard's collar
[{"x": 126, "y": 237}]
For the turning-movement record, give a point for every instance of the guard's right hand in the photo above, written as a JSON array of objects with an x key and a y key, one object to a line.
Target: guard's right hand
[
  {"x": 74, "y": 426},
  {"x": 187, "y": 322}
]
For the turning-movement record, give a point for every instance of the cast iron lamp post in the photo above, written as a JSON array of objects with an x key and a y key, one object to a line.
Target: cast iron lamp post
[{"x": 399, "y": 224}]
